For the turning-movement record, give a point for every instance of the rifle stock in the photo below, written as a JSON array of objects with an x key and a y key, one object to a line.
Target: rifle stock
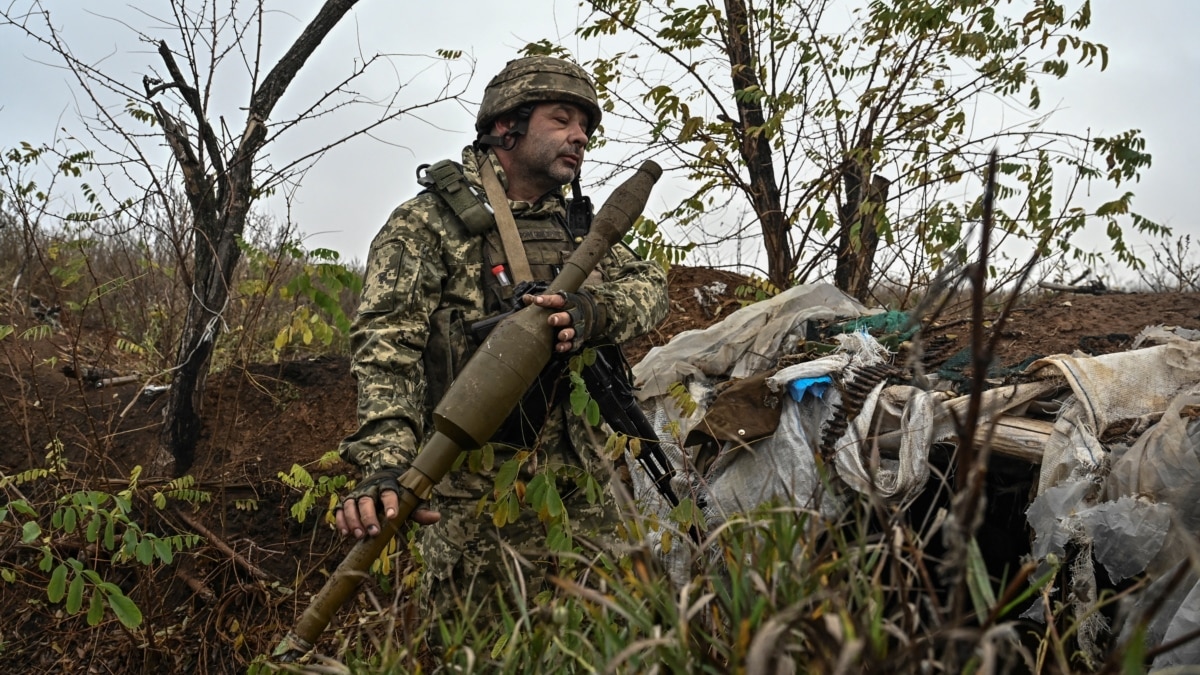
[{"x": 476, "y": 404}]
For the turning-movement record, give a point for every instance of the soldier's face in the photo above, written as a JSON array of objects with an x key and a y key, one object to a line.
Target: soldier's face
[{"x": 551, "y": 153}]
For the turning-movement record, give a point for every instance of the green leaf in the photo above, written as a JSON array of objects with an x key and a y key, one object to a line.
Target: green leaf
[
  {"x": 579, "y": 400},
  {"x": 129, "y": 542},
  {"x": 506, "y": 475},
  {"x": 110, "y": 534},
  {"x": 75, "y": 595},
  {"x": 498, "y": 648},
  {"x": 125, "y": 609},
  {"x": 536, "y": 494},
  {"x": 162, "y": 548},
  {"x": 69, "y": 520},
  {"x": 978, "y": 583},
  {"x": 592, "y": 489},
  {"x": 95, "y": 609},
  {"x": 58, "y": 584},
  {"x": 514, "y": 507},
  {"x": 557, "y": 538},
  {"x": 93, "y": 529},
  {"x": 554, "y": 503},
  {"x": 30, "y": 531},
  {"x": 145, "y": 551}
]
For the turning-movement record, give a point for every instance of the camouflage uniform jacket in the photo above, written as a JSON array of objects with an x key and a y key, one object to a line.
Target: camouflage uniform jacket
[{"x": 425, "y": 282}]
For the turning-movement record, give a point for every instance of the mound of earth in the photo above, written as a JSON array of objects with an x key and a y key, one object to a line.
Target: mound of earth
[{"x": 232, "y": 597}]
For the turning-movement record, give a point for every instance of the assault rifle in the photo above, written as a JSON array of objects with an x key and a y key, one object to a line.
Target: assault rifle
[
  {"x": 609, "y": 384},
  {"x": 613, "y": 393}
]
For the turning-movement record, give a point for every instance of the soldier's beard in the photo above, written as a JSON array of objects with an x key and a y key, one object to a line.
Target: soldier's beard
[{"x": 541, "y": 161}]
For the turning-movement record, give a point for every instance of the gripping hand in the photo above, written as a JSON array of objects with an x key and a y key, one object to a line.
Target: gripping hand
[
  {"x": 587, "y": 317},
  {"x": 358, "y": 514}
]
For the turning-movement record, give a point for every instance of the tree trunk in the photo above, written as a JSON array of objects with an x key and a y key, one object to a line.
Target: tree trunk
[
  {"x": 859, "y": 236},
  {"x": 220, "y": 200},
  {"x": 755, "y": 146}
]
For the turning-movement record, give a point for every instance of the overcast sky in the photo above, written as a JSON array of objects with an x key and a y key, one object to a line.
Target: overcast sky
[{"x": 1152, "y": 83}]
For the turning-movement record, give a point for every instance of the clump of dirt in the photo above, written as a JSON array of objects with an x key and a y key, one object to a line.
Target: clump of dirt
[
  {"x": 699, "y": 297},
  {"x": 231, "y": 598}
]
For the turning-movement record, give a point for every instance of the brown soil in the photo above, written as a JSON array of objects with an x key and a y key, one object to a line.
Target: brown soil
[{"x": 211, "y": 613}]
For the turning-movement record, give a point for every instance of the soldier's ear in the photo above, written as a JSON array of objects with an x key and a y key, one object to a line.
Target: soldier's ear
[{"x": 503, "y": 125}]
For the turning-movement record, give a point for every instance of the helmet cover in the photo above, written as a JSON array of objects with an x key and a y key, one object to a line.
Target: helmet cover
[{"x": 537, "y": 79}]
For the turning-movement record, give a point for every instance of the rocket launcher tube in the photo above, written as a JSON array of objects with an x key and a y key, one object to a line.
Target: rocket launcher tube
[
  {"x": 519, "y": 347},
  {"x": 476, "y": 404}
]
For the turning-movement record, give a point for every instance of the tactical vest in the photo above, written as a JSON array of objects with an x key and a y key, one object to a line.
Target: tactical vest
[{"x": 548, "y": 243}]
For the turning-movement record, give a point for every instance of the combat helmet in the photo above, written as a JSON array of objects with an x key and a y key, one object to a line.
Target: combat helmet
[{"x": 533, "y": 79}]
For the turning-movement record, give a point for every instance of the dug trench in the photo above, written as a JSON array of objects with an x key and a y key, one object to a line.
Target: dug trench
[{"x": 245, "y": 583}]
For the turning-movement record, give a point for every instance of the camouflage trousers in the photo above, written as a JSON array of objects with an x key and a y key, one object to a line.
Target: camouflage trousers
[{"x": 471, "y": 566}]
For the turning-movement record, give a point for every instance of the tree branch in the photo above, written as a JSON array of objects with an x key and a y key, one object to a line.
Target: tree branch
[{"x": 192, "y": 98}]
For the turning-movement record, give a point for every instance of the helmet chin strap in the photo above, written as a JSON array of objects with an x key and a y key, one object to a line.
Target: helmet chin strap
[{"x": 508, "y": 140}]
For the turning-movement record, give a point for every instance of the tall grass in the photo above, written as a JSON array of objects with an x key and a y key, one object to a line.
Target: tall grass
[{"x": 775, "y": 590}]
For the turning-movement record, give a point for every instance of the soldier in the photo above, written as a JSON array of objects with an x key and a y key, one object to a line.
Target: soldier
[{"x": 445, "y": 261}]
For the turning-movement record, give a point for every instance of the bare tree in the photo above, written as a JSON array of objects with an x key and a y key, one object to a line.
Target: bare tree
[{"x": 222, "y": 171}]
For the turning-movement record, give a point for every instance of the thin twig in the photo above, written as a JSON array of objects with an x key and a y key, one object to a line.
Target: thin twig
[
  {"x": 220, "y": 545},
  {"x": 198, "y": 587}
]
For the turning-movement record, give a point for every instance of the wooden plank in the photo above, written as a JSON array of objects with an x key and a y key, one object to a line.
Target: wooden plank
[{"x": 1016, "y": 437}]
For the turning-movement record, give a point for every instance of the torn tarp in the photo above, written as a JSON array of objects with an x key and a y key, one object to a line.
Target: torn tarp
[{"x": 1136, "y": 510}]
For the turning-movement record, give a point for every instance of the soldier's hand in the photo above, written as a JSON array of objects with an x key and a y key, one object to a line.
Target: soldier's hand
[
  {"x": 564, "y": 338},
  {"x": 378, "y": 494},
  {"x": 580, "y": 319}
]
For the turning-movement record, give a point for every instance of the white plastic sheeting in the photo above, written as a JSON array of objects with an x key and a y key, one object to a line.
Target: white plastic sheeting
[
  {"x": 1137, "y": 510},
  {"x": 743, "y": 475},
  {"x": 1131, "y": 511},
  {"x": 1130, "y": 385},
  {"x": 745, "y": 342}
]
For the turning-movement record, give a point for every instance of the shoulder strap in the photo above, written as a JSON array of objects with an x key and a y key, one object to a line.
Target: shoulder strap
[
  {"x": 446, "y": 179},
  {"x": 514, "y": 249}
]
